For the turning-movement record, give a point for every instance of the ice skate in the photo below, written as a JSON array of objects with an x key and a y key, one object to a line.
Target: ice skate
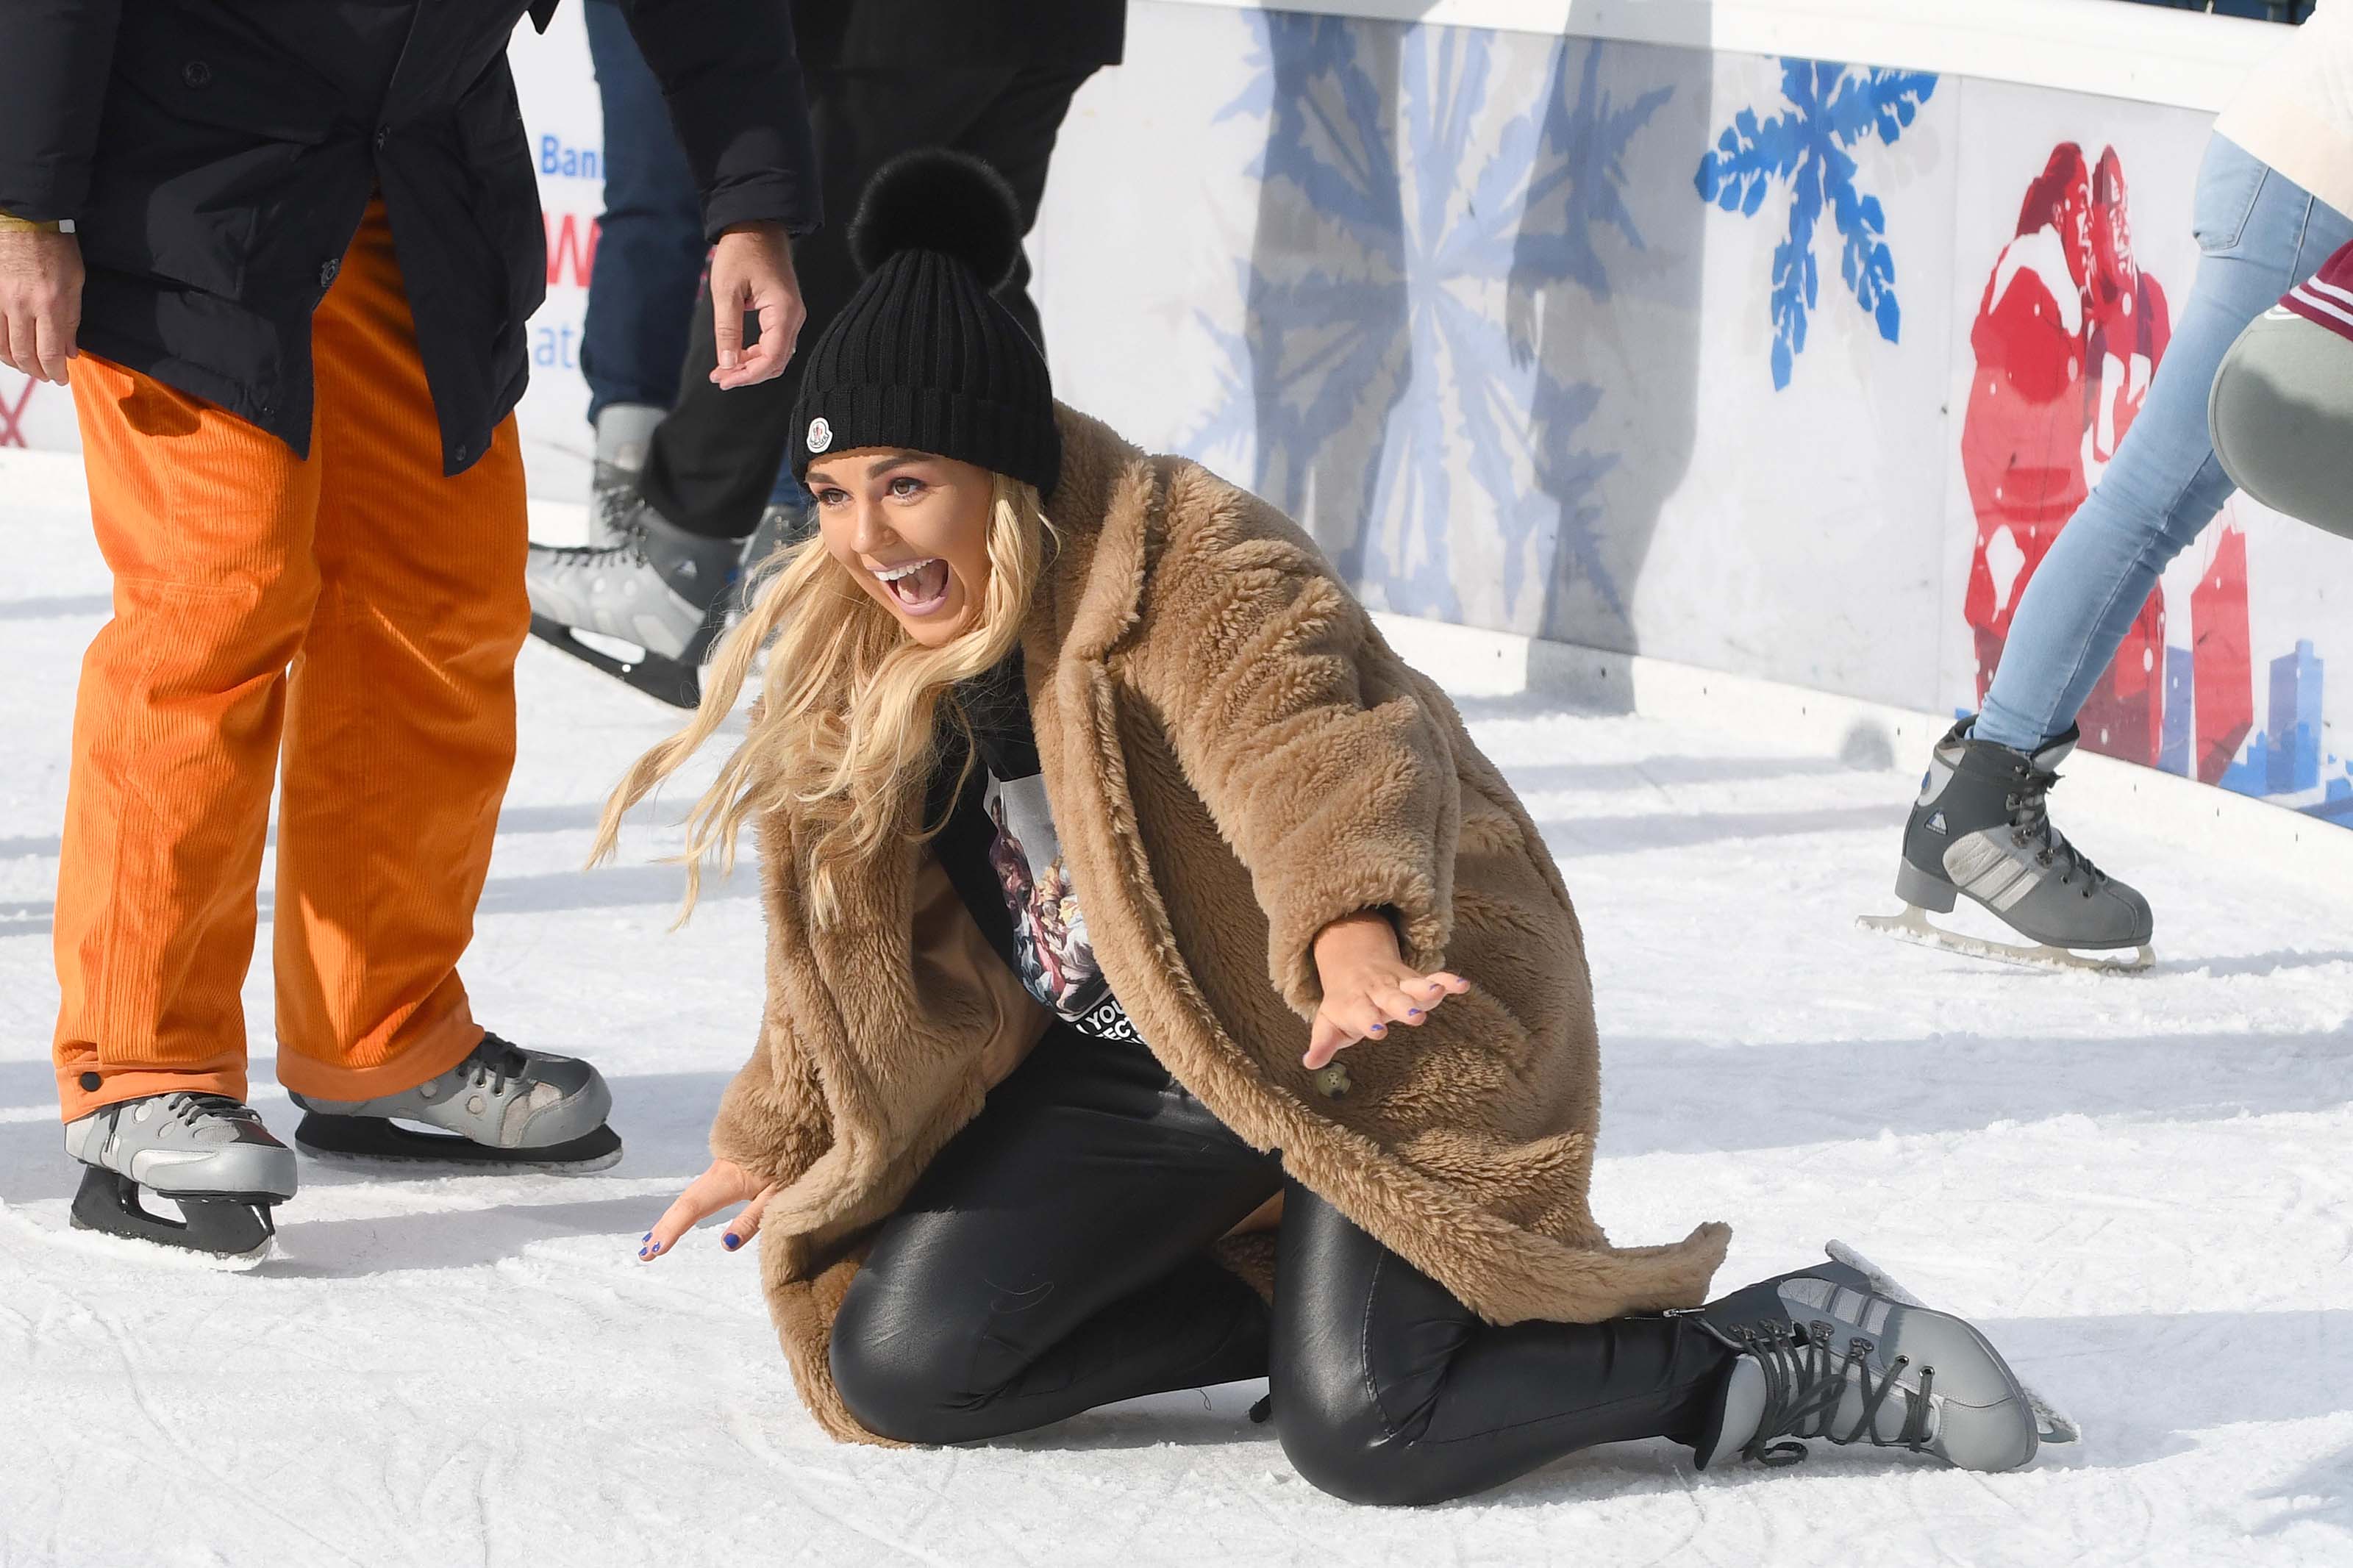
[
  {"x": 1982, "y": 826},
  {"x": 500, "y": 1106},
  {"x": 646, "y": 609},
  {"x": 206, "y": 1154},
  {"x": 1838, "y": 1353},
  {"x": 624, "y": 430}
]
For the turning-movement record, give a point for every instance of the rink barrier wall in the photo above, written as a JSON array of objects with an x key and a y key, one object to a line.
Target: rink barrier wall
[
  {"x": 1635, "y": 336},
  {"x": 2182, "y": 57},
  {"x": 2242, "y": 831},
  {"x": 1473, "y": 663},
  {"x": 1658, "y": 326}
]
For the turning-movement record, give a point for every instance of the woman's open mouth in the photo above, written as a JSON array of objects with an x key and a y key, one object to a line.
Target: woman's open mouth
[{"x": 919, "y": 587}]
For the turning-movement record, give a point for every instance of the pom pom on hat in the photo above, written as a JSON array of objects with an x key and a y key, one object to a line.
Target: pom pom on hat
[{"x": 933, "y": 199}]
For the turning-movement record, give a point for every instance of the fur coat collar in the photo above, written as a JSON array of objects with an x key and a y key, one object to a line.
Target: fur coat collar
[{"x": 1234, "y": 759}]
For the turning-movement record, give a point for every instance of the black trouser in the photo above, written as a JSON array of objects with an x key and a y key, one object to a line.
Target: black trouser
[
  {"x": 1055, "y": 1258},
  {"x": 711, "y": 462}
]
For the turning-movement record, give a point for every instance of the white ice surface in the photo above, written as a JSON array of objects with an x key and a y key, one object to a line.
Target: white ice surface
[{"x": 2140, "y": 1188}]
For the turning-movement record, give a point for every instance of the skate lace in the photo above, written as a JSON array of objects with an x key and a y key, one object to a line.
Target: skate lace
[
  {"x": 494, "y": 1062},
  {"x": 1805, "y": 1382},
  {"x": 624, "y": 523},
  {"x": 2029, "y": 823},
  {"x": 191, "y": 1109}
]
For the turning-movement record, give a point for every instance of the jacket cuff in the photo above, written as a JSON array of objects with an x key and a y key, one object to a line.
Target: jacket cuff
[
  {"x": 754, "y": 1130},
  {"x": 56, "y": 197},
  {"x": 1321, "y": 897},
  {"x": 773, "y": 197}
]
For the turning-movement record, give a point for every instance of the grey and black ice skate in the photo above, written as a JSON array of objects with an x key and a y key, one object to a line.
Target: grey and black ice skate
[
  {"x": 502, "y": 1106},
  {"x": 1982, "y": 826},
  {"x": 1839, "y": 1353},
  {"x": 660, "y": 591},
  {"x": 624, "y": 433},
  {"x": 205, "y": 1153}
]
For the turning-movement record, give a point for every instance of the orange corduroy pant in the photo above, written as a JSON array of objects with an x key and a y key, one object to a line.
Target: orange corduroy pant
[{"x": 353, "y": 619}]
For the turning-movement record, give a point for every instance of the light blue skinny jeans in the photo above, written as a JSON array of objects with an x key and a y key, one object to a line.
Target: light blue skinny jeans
[{"x": 2259, "y": 235}]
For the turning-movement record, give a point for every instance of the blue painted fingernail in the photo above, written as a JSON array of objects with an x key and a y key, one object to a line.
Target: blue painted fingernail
[
  {"x": 730, "y": 1241},
  {"x": 1380, "y": 1028},
  {"x": 1413, "y": 1012},
  {"x": 647, "y": 1236},
  {"x": 645, "y": 1252}
]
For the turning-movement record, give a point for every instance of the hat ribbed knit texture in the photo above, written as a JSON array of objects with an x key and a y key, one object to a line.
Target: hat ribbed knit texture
[{"x": 923, "y": 358}]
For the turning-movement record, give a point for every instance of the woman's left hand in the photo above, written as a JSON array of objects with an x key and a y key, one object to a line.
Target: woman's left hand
[
  {"x": 1368, "y": 986},
  {"x": 725, "y": 1183}
]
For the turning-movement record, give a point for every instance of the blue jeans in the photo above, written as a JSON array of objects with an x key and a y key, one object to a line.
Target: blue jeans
[
  {"x": 2259, "y": 235},
  {"x": 650, "y": 253}
]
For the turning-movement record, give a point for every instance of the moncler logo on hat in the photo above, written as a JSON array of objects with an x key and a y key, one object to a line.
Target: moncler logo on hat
[{"x": 820, "y": 436}]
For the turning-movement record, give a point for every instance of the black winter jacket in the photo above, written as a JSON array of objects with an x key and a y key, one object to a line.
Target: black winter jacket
[
  {"x": 893, "y": 35},
  {"x": 216, "y": 156}
]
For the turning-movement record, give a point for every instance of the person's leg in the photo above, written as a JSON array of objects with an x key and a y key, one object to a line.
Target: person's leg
[
  {"x": 1385, "y": 1389},
  {"x": 712, "y": 465},
  {"x": 401, "y": 722},
  {"x": 2259, "y": 235},
  {"x": 650, "y": 249},
  {"x": 1015, "y": 135},
  {"x": 1054, "y": 1257},
  {"x": 206, "y": 524}
]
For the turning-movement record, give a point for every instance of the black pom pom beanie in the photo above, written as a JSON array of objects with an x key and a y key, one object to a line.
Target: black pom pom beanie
[{"x": 922, "y": 357}]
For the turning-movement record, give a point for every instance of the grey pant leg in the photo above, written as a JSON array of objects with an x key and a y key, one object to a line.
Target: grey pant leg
[{"x": 2281, "y": 415}]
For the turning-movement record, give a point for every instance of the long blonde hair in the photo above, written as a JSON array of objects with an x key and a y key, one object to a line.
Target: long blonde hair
[{"x": 848, "y": 707}]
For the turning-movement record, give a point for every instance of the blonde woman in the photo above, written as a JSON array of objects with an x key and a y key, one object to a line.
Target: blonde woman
[{"x": 1340, "y": 1055}]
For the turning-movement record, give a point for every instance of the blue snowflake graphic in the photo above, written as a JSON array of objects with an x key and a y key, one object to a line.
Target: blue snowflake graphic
[
  {"x": 1832, "y": 109},
  {"x": 1375, "y": 364}
]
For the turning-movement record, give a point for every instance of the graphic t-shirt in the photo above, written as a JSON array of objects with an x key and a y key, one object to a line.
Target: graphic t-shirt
[{"x": 1001, "y": 848}]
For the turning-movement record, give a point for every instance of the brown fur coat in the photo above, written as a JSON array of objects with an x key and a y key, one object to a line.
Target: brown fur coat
[{"x": 1235, "y": 759}]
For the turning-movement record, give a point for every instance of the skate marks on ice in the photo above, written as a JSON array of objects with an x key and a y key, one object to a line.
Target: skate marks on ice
[
  {"x": 51, "y": 1223},
  {"x": 1684, "y": 1095}
]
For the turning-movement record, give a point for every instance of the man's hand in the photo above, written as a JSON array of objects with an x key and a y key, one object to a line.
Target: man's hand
[
  {"x": 752, "y": 270},
  {"x": 1368, "y": 986},
  {"x": 40, "y": 301}
]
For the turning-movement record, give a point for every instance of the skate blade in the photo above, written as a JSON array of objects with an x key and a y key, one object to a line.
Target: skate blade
[
  {"x": 1913, "y": 926},
  {"x": 669, "y": 680},
  {"x": 2051, "y": 1424},
  {"x": 374, "y": 1139},
  {"x": 223, "y": 1232}
]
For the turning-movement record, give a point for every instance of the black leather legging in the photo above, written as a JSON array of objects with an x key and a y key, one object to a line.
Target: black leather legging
[{"x": 1055, "y": 1258}]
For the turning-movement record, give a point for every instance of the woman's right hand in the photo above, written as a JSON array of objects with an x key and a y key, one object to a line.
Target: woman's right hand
[{"x": 725, "y": 1183}]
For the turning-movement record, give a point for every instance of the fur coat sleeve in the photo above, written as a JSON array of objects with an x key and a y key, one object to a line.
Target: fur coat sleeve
[
  {"x": 778, "y": 1118},
  {"x": 1335, "y": 804}
]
